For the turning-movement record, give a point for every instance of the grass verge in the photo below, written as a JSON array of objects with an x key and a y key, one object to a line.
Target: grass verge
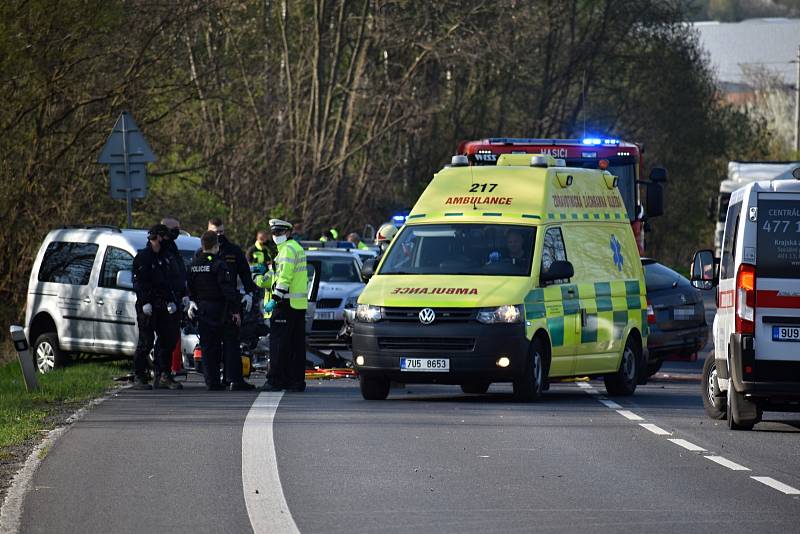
[{"x": 23, "y": 415}]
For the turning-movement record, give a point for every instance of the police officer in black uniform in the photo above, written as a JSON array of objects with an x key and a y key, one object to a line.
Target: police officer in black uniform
[
  {"x": 215, "y": 304},
  {"x": 236, "y": 260},
  {"x": 156, "y": 310}
]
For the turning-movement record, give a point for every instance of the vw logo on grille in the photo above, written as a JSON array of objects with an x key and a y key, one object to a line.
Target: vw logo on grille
[{"x": 427, "y": 316}]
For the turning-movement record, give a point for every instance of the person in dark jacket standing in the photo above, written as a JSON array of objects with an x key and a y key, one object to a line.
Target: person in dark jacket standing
[
  {"x": 215, "y": 302},
  {"x": 174, "y": 227},
  {"x": 156, "y": 310},
  {"x": 234, "y": 258}
]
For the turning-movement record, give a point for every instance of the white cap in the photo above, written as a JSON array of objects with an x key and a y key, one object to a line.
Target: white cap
[{"x": 277, "y": 224}]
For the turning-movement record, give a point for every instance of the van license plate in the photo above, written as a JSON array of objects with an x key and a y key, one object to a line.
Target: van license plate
[
  {"x": 427, "y": 365},
  {"x": 785, "y": 333},
  {"x": 323, "y": 316}
]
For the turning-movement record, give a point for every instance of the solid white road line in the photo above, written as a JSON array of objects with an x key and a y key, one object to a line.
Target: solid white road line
[
  {"x": 610, "y": 404},
  {"x": 657, "y": 430},
  {"x": 688, "y": 445},
  {"x": 263, "y": 493},
  {"x": 727, "y": 463},
  {"x": 583, "y": 385},
  {"x": 780, "y": 486},
  {"x": 627, "y": 414}
]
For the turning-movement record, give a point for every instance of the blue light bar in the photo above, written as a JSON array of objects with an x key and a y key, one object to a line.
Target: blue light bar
[
  {"x": 399, "y": 218},
  {"x": 594, "y": 141}
]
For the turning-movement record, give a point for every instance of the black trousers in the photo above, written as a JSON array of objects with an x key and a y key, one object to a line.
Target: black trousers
[
  {"x": 287, "y": 347},
  {"x": 162, "y": 324},
  {"x": 219, "y": 339}
]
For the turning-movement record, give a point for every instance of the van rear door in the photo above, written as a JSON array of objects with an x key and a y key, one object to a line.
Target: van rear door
[{"x": 777, "y": 313}]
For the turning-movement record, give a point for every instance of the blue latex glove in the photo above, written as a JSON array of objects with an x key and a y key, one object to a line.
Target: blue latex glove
[{"x": 269, "y": 306}]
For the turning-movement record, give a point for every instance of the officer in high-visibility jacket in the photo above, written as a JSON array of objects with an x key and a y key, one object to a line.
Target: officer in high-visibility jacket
[{"x": 288, "y": 307}]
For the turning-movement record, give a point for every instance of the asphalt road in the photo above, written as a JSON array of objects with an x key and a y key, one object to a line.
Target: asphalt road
[{"x": 429, "y": 459}]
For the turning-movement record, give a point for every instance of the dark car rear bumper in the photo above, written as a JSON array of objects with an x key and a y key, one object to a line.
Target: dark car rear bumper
[
  {"x": 676, "y": 342},
  {"x": 472, "y": 348}
]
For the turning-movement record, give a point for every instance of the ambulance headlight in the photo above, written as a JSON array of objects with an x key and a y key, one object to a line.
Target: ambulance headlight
[
  {"x": 507, "y": 314},
  {"x": 367, "y": 313}
]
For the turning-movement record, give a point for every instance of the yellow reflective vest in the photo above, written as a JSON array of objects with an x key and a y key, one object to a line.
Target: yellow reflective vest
[{"x": 291, "y": 277}]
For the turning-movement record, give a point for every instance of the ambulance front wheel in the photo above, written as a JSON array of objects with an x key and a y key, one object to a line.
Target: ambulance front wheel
[
  {"x": 374, "y": 387},
  {"x": 530, "y": 385},
  {"x": 623, "y": 382}
]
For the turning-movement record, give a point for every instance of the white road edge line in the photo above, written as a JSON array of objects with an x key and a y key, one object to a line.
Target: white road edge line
[
  {"x": 688, "y": 445},
  {"x": 584, "y": 385},
  {"x": 627, "y": 414},
  {"x": 261, "y": 483},
  {"x": 610, "y": 404},
  {"x": 11, "y": 511},
  {"x": 727, "y": 463},
  {"x": 657, "y": 430},
  {"x": 780, "y": 486}
]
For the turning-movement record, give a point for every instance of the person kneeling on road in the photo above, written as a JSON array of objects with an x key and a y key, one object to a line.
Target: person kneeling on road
[{"x": 215, "y": 303}]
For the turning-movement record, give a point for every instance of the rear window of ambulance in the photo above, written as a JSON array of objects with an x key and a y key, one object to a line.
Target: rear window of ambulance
[{"x": 778, "y": 245}]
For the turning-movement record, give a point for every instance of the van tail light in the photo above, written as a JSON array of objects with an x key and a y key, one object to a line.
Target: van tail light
[
  {"x": 198, "y": 353},
  {"x": 651, "y": 315},
  {"x": 745, "y": 299}
]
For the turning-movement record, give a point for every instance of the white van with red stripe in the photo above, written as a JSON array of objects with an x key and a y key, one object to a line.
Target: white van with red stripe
[{"x": 755, "y": 365}]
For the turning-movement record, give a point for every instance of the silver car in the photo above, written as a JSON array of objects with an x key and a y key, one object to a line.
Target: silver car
[
  {"x": 80, "y": 293},
  {"x": 340, "y": 285}
]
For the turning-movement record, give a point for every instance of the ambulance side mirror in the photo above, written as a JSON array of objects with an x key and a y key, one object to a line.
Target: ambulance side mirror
[
  {"x": 655, "y": 200},
  {"x": 559, "y": 270},
  {"x": 368, "y": 269},
  {"x": 702, "y": 270}
]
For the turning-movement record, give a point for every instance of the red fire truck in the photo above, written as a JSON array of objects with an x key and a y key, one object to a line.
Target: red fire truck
[{"x": 621, "y": 158}]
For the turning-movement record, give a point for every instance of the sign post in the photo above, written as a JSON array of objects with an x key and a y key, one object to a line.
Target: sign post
[
  {"x": 127, "y": 154},
  {"x": 25, "y": 358}
]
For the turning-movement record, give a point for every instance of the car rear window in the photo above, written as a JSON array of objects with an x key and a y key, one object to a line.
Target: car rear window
[
  {"x": 658, "y": 276},
  {"x": 778, "y": 241},
  {"x": 67, "y": 263}
]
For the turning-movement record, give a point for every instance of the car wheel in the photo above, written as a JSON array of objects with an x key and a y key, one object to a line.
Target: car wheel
[
  {"x": 530, "y": 385},
  {"x": 374, "y": 387},
  {"x": 742, "y": 413},
  {"x": 623, "y": 382},
  {"x": 714, "y": 405},
  {"x": 47, "y": 355},
  {"x": 476, "y": 388}
]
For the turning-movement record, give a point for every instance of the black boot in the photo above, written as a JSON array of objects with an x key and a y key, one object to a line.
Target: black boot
[{"x": 140, "y": 383}]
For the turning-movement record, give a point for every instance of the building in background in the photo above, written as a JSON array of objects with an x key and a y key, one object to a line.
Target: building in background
[{"x": 755, "y": 61}]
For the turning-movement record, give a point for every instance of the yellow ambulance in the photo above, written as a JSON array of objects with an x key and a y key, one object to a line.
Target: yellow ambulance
[{"x": 523, "y": 272}]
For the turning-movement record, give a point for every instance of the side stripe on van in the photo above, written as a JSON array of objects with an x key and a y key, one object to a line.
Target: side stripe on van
[{"x": 619, "y": 302}]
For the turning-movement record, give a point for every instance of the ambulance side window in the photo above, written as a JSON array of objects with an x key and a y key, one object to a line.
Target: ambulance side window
[
  {"x": 727, "y": 267},
  {"x": 553, "y": 250}
]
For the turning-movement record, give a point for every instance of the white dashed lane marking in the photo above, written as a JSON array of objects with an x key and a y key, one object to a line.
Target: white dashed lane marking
[
  {"x": 727, "y": 463},
  {"x": 780, "y": 486},
  {"x": 657, "y": 430},
  {"x": 688, "y": 445},
  {"x": 627, "y": 414}
]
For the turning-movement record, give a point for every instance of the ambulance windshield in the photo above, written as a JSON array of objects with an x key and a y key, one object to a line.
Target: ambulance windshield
[{"x": 462, "y": 249}]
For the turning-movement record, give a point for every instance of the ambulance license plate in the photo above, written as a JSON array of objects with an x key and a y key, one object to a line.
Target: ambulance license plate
[
  {"x": 682, "y": 313},
  {"x": 786, "y": 333},
  {"x": 323, "y": 316},
  {"x": 425, "y": 365}
]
